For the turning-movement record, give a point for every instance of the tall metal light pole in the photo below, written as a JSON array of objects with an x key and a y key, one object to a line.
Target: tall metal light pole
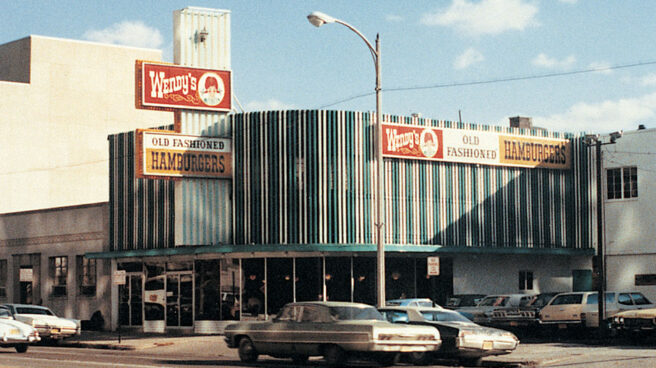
[
  {"x": 595, "y": 140},
  {"x": 318, "y": 19}
]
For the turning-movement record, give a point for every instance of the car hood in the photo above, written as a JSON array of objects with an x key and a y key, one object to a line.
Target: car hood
[{"x": 638, "y": 313}]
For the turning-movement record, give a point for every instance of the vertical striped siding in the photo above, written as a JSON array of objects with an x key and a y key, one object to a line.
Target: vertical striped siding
[
  {"x": 450, "y": 204},
  {"x": 141, "y": 211}
]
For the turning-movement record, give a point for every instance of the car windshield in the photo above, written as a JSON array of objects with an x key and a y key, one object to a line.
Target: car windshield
[
  {"x": 355, "y": 313},
  {"x": 444, "y": 316},
  {"x": 493, "y": 301},
  {"x": 30, "y": 310},
  {"x": 541, "y": 300}
]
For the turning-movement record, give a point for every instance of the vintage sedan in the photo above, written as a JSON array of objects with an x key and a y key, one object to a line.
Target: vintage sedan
[
  {"x": 334, "y": 330},
  {"x": 15, "y": 334},
  {"x": 636, "y": 324},
  {"x": 482, "y": 312},
  {"x": 462, "y": 339},
  {"x": 525, "y": 316},
  {"x": 412, "y": 302},
  {"x": 44, "y": 321}
]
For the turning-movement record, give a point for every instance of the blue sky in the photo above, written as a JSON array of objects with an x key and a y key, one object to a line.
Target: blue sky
[{"x": 486, "y": 59}]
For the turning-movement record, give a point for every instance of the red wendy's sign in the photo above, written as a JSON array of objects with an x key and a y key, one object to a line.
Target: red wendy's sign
[
  {"x": 407, "y": 141},
  {"x": 173, "y": 86}
]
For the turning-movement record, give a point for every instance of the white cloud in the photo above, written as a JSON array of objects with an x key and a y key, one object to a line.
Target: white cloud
[
  {"x": 270, "y": 104},
  {"x": 602, "y": 117},
  {"x": 468, "y": 58},
  {"x": 485, "y": 17},
  {"x": 545, "y": 61},
  {"x": 127, "y": 33},
  {"x": 394, "y": 18},
  {"x": 648, "y": 80}
]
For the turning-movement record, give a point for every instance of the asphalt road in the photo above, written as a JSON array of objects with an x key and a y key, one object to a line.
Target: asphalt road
[{"x": 205, "y": 352}]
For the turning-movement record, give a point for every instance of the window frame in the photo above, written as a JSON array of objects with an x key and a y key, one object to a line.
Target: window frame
[
  {"x": 59, "y": 275},
  {"x": 622, "y": 183},
  {"x": 526, "y": 278},
  {"x": 87, "y": 275}
]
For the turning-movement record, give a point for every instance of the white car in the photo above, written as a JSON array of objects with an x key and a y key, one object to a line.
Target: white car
[
  {"x": 14, "y": 334},
  {"x": 44, "y": 321}
]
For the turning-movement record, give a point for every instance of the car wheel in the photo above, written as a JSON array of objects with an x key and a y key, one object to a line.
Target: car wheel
[
  {"x": 419, "y": 358},
  {"x": 247, "y": 352},
  {"x": 300, "y": 359},
  {"x": 471, "y": 362},
  {"x": 387, "y": 359},
  {"x": 334, "y": 355},
  {"x": 21, "y": 348}
]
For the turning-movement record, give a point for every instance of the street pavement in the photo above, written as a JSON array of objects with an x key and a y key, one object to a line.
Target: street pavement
[{"x": 570, "y": 353}]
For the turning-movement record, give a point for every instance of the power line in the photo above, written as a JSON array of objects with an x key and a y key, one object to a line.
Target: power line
[{"x": 499, "y": 80}]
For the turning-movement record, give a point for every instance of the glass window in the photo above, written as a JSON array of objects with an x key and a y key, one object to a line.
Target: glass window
[
  {"x": 622, "y": 182},
  {"x": 86, "y": 276},
  {"x": 395, "y": 316},
  {"x": 525, "y": 280},
  {"x": 639, "y": 299},
  {"x": 280, "y": 288},
  {"x": 338, "y": 279},
  {"x": 309, "y": 274},
  {"x": 59, "y": 274},
  {"x": 3, "y": 278},
  {"x": 624, "y": 299},
  {"x": 253, "y": 271},
  {"x": 569, "y": 299},
  {"x": 364, "y": 280},
  {"x": 207, "y": 290},
  {"x": 592, "y": 298}
]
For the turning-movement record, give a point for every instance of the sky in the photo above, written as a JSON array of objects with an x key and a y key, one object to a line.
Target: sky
[{"x": 571, "y": 65}]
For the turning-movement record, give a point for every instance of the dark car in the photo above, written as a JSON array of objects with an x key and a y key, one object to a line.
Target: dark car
[
  {"x": 524, "y": 317},
  {"x": 462, "y": 339},
  {"x": 463, "y": 300}
]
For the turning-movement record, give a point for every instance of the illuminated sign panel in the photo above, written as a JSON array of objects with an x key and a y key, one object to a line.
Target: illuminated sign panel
[
  {"x": 474, "y": 147},
  {"x": 165, "y": 154},
  {"x": 173, "y": 86}
]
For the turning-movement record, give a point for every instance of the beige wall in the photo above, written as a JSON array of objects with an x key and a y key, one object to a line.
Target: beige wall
[
  {"x": 69, "y": 231},
  {"x": 54, "y": 144}
]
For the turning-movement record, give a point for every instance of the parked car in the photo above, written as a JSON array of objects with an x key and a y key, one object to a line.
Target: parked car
[
  {"x": 334, "y": 330},
  {"x": 45, "y": 321},
  {"x": 15, "y": 334},
  {"x": 482, "y": 312},
  {"x": 464, "y": 300},
  {"x": 461, "y": 338},
  {"x": 526, "y": 315},
  {"x": 412, "y": 302},
  {"x": 580, "y": 309},
  {"x": 636, "y": 324}
]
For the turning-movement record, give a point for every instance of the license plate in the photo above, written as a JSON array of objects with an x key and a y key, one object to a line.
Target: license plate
[
  {"x": 14, "y": 332},
  {"x": 513, "y": 323},
  {"x": 487, "y": 345},
  {"x": 54, "y": 331},
  {"x": 562, "y": 326}
]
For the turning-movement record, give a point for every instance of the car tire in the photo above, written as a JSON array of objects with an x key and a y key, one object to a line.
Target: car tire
[
  {"x": 21, "y": 348},
  {"x": 247, "y": 351},
  {"x": 419, "y": 358},
  {"x": 387, "y": 359},
  {"x": 334, "y": 355}
]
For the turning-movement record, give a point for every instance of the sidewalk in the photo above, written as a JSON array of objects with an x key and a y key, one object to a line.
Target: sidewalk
[{"x": 133, "y": 340}]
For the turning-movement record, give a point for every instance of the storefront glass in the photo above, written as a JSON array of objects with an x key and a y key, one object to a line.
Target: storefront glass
[
  {"x": 309, "y": 275},
  {"x": 253, "y": 293},
  {"x": 279, "y": 283},
  {"x": 364, "y": 280},
  {"x": 338, "y": 279}
]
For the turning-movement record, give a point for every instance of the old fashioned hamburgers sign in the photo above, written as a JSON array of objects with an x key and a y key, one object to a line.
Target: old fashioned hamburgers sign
[
  {"x": 172, "y": 86},
  {"x": 475, "y": 147},
  {"x": 166, "y": 154}
]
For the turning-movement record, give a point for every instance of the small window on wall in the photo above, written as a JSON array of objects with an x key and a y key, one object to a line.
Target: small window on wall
[
  {"x": 525, "y": 280},
  {"x": 59, "y": 273},
  {"x": 622, "y": 183},
  {"x": 86, "y": 276},
  {"x": 3, "y": 278},
  {"x": 645, "y": 280}
]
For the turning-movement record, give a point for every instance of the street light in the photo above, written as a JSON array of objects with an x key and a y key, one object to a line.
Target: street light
[
  {"x": 318, "y": 19},
  {"x": 595, "y": 140}
]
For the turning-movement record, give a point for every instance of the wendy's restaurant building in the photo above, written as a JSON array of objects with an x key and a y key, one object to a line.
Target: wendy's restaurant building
[{"x": 225, "y": 216}]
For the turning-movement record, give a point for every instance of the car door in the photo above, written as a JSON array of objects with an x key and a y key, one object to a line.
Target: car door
[
  {"x": 310, "y": 331},
  {"x": 277, "y": 337}
]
